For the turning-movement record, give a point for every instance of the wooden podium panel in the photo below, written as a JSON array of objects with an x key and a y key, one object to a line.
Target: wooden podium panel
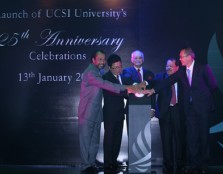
[{"x": 139, "y": 147}]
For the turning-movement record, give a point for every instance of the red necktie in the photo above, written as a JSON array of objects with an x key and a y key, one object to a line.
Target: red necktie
[
  {"x": 140, "y": 76},
  {"x": 173, "y": 100}
]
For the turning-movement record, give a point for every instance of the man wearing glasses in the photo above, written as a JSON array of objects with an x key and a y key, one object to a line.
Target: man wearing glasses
[
  {"x": 198, "y": 85},
  {"x": 90, "y": 109},
  {"x": 113, "y": 114}
]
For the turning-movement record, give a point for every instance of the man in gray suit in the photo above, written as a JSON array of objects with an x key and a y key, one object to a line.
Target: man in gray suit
[{"x": 90, "y": 109}]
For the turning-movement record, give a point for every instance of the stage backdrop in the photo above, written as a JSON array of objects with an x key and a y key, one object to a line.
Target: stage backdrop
[{"x": 46, "y": 45}]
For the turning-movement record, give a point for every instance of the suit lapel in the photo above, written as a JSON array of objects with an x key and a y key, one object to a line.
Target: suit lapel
[
  {"x": 185, "y": 76},
  {"x": 113, "y": 78},
  {"x": 122, "y": 78},
  {"x": 169, "y": 91},
  {"x": 135, "y": 75},
  {"x": 94, "y": 68},
  {"x": 144, "y": 74},
  {"x": 194, "y": 75}
]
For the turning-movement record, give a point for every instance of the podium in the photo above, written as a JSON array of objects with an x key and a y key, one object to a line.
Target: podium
[{"x": 139, "y": 144}]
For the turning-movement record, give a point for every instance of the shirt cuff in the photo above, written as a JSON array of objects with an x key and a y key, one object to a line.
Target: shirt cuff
[{"x": 146, "y": 83}]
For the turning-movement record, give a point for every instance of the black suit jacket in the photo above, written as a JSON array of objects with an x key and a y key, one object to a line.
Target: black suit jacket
[
  {"x": 113, "y": 109},
  {"x": 164, "y": 96},
  {"x": 203, "y": 84}
]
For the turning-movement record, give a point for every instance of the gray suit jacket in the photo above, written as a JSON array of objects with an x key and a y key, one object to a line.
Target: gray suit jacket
[{"x": 90, "y": 106}]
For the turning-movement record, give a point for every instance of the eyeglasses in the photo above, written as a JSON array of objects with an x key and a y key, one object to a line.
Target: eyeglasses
[{"x": 116, "y": 67}]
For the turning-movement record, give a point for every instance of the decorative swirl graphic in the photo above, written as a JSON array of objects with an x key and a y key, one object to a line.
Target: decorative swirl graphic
[
  {"x": 142, "y": 150},
  {"x": 216, "y": 129},
  {"x": 215, "y": 60}
]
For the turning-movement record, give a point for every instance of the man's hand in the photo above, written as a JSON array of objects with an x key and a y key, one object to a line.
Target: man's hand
[
  {"x": 132, "y": 88},
  {"x": 141, "y": 85},
  {"x": 152, "y": 113},
  {"x": 149, "y": 92},
  {"x": 137, "y": 88}
]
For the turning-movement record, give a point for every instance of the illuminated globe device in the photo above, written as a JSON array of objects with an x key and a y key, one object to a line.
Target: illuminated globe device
[{"x": 138, "y": 94}]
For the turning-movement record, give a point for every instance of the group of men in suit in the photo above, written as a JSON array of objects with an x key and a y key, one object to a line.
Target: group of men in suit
[
  {"x": 114, "y": 107},
  {"x": 185, "y": 113},
  {"x": 90, "y": 114},
  {"x": 197, "y": 84}
]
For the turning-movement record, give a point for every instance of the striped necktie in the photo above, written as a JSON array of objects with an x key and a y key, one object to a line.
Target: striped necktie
[{"x": 139, "y": 74}]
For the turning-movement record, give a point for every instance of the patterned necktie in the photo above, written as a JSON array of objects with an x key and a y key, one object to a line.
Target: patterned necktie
[
  {"x": 189, "y": 76},
  {"x": 173, "y": 100},
  {"x": 140, "y": 76}
]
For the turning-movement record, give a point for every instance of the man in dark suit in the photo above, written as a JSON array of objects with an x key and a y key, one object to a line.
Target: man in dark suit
[
  {"x": 113, "y": 114},
  {"x": 198, "y": 84},
  {"x": 137, "y": 74},
  {"x": 171, "y": 120}
]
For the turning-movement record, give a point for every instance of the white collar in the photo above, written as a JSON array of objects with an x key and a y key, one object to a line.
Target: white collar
[
  {"x": 191, "y": 66},
  {"x": 138, "y": 68}
]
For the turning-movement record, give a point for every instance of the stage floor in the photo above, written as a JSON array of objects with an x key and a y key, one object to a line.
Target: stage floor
[
  {"x": 63, "y": 169},
  {"x": 123, "y": 157}
]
